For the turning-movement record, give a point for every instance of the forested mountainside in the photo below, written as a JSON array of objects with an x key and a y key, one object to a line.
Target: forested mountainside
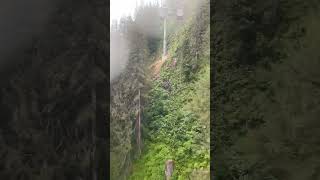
[
  {"x": 266, "y": 92},
  {"x": 160, "y": 109},
  {"x": 51, "y": 93}
]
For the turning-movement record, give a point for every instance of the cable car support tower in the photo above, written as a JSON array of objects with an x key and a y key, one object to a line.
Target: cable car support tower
[{"x": 164, "y": 15}]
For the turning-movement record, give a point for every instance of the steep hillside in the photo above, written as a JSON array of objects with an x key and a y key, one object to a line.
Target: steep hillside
[
  {"x": 266, "y": 91},
  {"x": 176, "y": 115},
  {"x": 125, "y": 90},
  {"x": 160, "y": 109},
  {"x": 52, "y": 97}
]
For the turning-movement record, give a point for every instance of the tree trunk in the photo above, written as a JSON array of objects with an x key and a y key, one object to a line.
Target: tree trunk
[{"x": 139, "y": 125}]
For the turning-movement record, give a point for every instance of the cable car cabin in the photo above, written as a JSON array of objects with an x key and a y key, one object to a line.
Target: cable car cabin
[{"x": 179, "y": 14}]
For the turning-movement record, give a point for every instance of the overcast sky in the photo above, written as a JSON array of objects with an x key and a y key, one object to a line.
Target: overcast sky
[{"x": 119, "y": 8}]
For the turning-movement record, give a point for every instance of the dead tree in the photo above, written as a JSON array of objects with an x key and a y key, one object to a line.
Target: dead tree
[{"x": 139, "y": 124}]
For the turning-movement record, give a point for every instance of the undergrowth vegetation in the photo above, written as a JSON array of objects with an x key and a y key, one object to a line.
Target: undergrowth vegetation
[
  {"x": 176, "y": 115},
  {"x": 265, "y": 90}
]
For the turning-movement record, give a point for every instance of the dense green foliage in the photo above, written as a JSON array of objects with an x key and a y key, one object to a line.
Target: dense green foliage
[
  {"x": 125, "y": 88},
  {"x": 50, "y": 112},
  {"x": 178, "y": 122},
  {"x": 175, "y": 105},
  {"x": 265, "y": 90},
  {"x": 124, "y": 92},
  {"x": 177, "y": 108}
]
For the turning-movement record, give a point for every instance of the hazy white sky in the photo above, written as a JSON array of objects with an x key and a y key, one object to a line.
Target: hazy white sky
[{"x": 119, "y": 8}]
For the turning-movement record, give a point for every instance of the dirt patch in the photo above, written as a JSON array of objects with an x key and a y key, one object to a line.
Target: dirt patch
[{"x": 156, "y": 66}]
